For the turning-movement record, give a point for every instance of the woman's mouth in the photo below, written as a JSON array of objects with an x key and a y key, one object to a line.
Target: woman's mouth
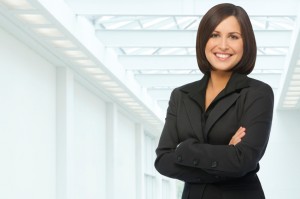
[{"x": 222, "y": 55}]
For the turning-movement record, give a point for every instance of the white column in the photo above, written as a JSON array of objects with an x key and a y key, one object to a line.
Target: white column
[
  {"x": 173, "y": 189},
  {"x": 64, "y": 129},
  {"x": 139, "y": 148},
  {"x": 111, "y": 128}
]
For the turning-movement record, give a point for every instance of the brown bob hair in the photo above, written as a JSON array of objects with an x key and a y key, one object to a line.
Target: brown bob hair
[{"x": 208, "y": 24}]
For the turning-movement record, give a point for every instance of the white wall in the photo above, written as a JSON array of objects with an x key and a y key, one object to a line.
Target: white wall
[
  {"x": 126, "y": 167},
  {"x": 27, "y": 122},
  {"x": 280, "y": 167},
  {"x": 88, "y": 144},
  {"x": 54, "y": 134}
]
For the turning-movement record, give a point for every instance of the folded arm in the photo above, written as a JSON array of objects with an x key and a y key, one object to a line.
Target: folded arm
[{"x": 192, "y": 161}]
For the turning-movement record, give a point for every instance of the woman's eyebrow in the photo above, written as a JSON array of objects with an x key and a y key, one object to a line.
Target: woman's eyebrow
[
  {"x": 235, "y": 33},
  {"x": 215, "y": 31}
]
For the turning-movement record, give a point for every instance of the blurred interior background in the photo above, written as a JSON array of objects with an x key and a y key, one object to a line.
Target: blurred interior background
[{"x": 84, "y": 87}]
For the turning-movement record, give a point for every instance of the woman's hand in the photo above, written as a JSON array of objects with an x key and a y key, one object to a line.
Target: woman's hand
[{"x": 239, "y": 134}]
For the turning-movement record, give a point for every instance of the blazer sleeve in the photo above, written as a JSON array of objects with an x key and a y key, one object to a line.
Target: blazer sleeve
[
  {"x": 167, "y": 159},
  {"x": 238, "y": 160}
]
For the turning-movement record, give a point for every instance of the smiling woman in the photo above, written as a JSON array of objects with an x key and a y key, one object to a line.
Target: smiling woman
[
  {"x": 85, "y": 84},
  {"x": 217, "y": 129},
  {"x": 237, "y": 27},
  {"x": 224, "y": 49}
]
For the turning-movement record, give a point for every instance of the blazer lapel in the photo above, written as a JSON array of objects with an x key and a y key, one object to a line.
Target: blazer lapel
[
  {"x": 219, "y": 110},
  {"x": 195, "y": 104},
  {"x": 194, "y": 114},
  {"x": 226, "y": 99}
]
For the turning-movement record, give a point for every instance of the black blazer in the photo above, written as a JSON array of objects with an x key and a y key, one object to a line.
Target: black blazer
[{"x": 193, "y": 146}]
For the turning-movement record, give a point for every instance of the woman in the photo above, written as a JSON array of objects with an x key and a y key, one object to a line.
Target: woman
[{"x": 217, "y": 129}]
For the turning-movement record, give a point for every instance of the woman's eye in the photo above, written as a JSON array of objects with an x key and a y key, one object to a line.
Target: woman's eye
[
  {"x": 234, "y": 37},
  {"x": 214, "y": 35}
]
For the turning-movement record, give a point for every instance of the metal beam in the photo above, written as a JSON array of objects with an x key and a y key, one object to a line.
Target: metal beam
[
  {"x": 176, "y": 7},
  {"x": 188, "y": 62},
  {"x": 179, "y": 38}
]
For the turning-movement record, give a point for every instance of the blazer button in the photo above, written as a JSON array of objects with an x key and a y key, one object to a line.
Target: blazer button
[
  {"x": 214, "y": 164},
  {"x": 195, "y": 162},
  {"x": 179, "y": 158}
]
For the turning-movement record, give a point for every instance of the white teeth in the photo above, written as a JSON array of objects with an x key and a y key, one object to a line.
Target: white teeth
[{"x": 222, "y": 55}]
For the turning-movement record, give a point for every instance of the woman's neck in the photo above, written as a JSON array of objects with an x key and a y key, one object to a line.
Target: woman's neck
[
  {"x": 216, "y": 83},
  {"x": 218, "y": 80}
]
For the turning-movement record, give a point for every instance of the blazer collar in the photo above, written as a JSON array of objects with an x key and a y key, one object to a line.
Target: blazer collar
[{"x": 196, "y": 90}]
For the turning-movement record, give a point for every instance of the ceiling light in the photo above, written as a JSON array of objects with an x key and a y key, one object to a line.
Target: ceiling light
[
  {"x": 132, "y": 104},
  {"x": 288, "y": 98},
  {"x": 115, "y": 90},
  {"x": 34, "y": 19},
  {"x": 295, "y": 83},
  {"x": 146, "y": 115},
  {"x": 293, "y": 93},
  {"x": 141, "y": 111},
  {"x": 288, "y": 106},
  {"x": 297, "y": 70},
  {"x": 126, "y": 99},
  {"x": 109, "y": 83},
  {"x": 135, "y": 108},
  {"x": 63, "y": 44},
  {"x": 85, "y": 62},
  {"x": 75, "y": 53},
  {"x": 294, "y": 88},
  {"x": 291, "y": 102},
  {"x": 49, "y": 32},
  {"x": 102, "y": 77},
  {"x": 94, "y": 70},
  {"x": 17, "y": 4},
  {"x": 121, "y": 95},
  {"x": 155, "y": 122},
  {"x": 147, "y": 118},
  {"x": 296, "y": 77}
]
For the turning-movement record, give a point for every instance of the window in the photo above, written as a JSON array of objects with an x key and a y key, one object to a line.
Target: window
[
  {"x": 149, "y": 157},
  {"x": 166, "y": 189}
]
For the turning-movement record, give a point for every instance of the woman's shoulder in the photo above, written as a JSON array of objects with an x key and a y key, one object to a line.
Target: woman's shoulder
[
  {"x": 259, "y": 85},
  {"x": 186, "y": 89},
  {"x": 259, "y": 88}
]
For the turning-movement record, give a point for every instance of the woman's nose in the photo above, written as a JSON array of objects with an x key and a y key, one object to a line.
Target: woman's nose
[{"x": 223, "y": 44}]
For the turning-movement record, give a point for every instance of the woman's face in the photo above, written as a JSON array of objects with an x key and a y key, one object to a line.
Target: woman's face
[{"x": 224, "y": 48}]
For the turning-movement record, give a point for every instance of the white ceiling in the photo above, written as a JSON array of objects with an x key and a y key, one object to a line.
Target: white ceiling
[{"x": 137, "y": 51}]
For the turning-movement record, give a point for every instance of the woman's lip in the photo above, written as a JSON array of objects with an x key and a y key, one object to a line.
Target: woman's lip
[{"x": 222, "y": 55}]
